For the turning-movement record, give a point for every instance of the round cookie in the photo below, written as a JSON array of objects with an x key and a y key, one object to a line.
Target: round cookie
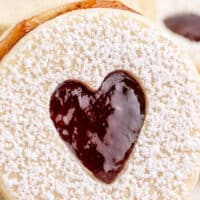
[
  {"x": 191, "y": 12},
  {"x": 87, "y": 45}
]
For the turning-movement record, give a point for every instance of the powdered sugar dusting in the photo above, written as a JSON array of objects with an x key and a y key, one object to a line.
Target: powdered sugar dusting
[{"x": 87, "y": 45}]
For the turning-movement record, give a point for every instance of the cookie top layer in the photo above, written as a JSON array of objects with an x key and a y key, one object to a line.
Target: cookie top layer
[
  {"x": 9, "y": 39},
  {"x": 87, "y": 45},
  {"x": 13, "y": 11},
  {"x": 170, "y": 8}
]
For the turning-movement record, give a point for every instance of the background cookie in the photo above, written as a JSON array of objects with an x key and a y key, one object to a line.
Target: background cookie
[
  {"x": 170, "y": 8},
  {"x": 87, "y": 45}
]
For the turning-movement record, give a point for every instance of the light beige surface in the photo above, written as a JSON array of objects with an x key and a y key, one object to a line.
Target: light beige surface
[
  {"x": 148, "y": 8},
  {"x": 12, "y": 11},
  {"x": 40, "y": 166},
  {"x": 196, "y": 193}
]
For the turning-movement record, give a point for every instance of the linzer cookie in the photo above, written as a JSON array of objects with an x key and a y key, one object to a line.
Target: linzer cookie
[
  {"x": 95, "y": 103},
  {"x": 182, "y": 19}
]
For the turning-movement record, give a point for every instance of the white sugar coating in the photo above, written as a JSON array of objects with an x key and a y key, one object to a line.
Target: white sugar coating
[
  {"x": 87, "y": 45},
  {"x": 173, "y": 7}
]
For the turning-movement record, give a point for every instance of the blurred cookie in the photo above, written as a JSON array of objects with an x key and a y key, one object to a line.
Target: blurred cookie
[{"x": 182, "y": 19}]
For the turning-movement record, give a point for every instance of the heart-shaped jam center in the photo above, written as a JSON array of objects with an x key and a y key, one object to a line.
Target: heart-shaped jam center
[{"x": 100, "y": 127}]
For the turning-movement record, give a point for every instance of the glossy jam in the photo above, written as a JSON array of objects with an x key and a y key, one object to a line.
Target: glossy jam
[
  {"x": 187, "y": 25},
  {"x": 100, "y": 127}
]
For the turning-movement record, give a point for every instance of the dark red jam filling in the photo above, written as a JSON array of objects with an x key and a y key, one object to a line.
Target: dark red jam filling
[
  {"x": 101, "y": 127},
  {"x": 187, "y": 25}
]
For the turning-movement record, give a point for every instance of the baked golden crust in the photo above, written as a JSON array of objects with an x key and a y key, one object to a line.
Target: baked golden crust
[
  {"x": 4, "y": 195},
  {"x": 27, "y": 25}
]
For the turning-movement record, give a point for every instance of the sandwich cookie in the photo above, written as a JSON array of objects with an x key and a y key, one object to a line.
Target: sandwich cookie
[{"x": 96, "y": 103}]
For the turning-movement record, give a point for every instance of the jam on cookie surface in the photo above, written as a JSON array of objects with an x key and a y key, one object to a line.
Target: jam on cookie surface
[
  {"x": 101, "y": 127},
  {"x": 187, "y": 25}
]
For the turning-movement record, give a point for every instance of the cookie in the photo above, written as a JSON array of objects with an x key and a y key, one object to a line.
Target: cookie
[
  {"x": 96, "y": 103},
  {"x": 181, "y": 18}
]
